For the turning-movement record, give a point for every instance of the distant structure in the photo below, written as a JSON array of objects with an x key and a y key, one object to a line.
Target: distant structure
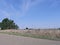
[{"x": 27, "y": 28}]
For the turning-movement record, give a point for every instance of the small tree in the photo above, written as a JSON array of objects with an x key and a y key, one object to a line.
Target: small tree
[
  {"x": 26, "y": 27},
  {"x": 59, "y": 28},
  {"x": 8, "y": 24}
]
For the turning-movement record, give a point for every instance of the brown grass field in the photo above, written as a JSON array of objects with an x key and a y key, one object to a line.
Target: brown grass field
[{"x": 44, "y": 34}]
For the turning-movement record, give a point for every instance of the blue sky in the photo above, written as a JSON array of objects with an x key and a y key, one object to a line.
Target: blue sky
[{"x": 32, "y": 13}]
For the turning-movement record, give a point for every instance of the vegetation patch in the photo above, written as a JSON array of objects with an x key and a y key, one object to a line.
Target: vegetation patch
[{"x": 33, "y": 35}]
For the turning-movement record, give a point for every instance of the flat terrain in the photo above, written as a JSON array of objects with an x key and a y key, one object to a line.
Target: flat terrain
[{"x": 6, "y": 39}]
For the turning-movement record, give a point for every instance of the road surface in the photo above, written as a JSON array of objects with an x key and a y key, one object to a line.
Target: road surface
[{"x": 6, "y": 39}]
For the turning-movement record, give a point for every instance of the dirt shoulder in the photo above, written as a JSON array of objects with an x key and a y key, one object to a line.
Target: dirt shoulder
[{"x": 6, "y": 39}]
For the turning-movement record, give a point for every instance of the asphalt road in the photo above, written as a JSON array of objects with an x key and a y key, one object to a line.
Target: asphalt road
[{"x": 6, "y": 39}]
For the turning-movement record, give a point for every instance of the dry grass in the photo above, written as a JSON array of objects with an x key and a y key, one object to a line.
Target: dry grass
[{"x": 50, "y": 34}]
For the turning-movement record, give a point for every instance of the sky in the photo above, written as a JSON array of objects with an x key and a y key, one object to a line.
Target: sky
[{"x": 31, "y": 13}]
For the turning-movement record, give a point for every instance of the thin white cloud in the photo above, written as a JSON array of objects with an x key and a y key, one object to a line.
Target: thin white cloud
[
  {"x": 10, "y": 10},
  {"x": 27, "y": 4},
  {"x": 6, "y": 14}
]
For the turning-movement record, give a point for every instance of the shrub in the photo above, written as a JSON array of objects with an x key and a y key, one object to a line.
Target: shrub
[{"x": 8, "y": 24}]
